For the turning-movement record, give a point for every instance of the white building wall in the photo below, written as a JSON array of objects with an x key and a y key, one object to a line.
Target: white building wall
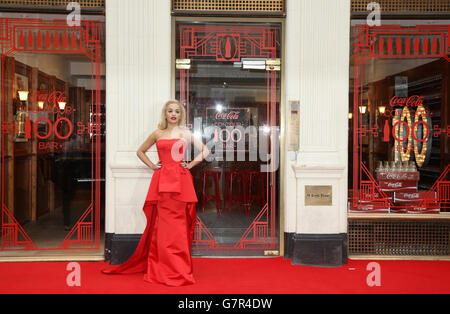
[
  {"x": 317, "y": 74},
  {"x": 138, "y": 50}
]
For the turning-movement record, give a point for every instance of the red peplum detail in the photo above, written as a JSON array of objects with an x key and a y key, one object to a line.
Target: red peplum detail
[{"x": 172, "y": 177}]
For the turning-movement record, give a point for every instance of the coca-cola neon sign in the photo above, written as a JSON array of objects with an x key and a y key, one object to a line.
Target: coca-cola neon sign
[
  {"x": 411, "y": 133},
  {"x": 44, "y": 129},
  {"x": 413, "y": 101},
  {"x": 50, "y": 98}
]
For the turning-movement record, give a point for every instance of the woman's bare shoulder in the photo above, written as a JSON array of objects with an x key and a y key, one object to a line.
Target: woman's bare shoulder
[{"x": 156, "y": 134}]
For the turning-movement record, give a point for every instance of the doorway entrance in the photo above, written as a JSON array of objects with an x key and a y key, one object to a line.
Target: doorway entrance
[{"x": 228, "y": 77}]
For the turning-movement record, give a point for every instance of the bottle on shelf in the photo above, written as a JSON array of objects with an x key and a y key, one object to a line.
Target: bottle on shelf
[
  {"x": 393, "y": 166},
  {"x": 412, "y": 166},
  {"x": 380, "y": 167},
  {"x": 407, "y": 167}
]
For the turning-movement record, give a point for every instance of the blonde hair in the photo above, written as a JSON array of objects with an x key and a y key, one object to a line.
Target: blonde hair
[{"x": 163, "y": 123}]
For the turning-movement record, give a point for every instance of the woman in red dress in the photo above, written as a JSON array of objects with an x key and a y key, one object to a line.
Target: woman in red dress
[{"x": 164, "y": 251}]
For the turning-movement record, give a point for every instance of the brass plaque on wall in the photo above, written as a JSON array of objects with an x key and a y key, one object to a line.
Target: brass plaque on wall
[{"x": 318, "y": 195}]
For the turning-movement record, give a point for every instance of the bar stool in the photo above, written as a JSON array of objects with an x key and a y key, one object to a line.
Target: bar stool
[
  {"x": 205, "y": 198},
  {"x": 256, "y": 179},
  {"x": 234, "y": 178}
]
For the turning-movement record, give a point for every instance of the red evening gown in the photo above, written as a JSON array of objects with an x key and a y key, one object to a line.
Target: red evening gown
[{"x": 164, "y": 251}]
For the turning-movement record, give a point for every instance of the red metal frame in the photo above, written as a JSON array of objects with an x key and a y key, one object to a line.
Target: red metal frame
[
  {"x": 250, "y": 42},
  {"x": 35, "y": 35},
  {"x": 393, "y": 41}
]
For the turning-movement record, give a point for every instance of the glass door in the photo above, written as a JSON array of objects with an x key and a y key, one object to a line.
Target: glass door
[{"x": 228, "y": 78}]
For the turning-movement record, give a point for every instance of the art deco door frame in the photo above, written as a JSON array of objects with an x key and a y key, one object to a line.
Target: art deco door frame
[{"x": 178, "y": 20}]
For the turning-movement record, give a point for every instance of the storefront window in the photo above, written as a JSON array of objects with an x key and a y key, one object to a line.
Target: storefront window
[
  {"x": 53, "y": 121},
  {"x": 399, "y": 118}
]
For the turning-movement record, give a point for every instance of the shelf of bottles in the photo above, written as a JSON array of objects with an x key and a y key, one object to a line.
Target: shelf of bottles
[
  {"x": 396, "y": 192},
  {"x": 399, "y": 182}
]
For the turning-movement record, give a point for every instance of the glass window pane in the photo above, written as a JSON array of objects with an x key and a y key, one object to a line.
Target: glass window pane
[
  {"x": 53, "y": 122},
  {"x": 399, "y": 118}
]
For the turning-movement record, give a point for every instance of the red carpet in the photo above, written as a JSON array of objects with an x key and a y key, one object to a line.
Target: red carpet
[{"x": 236, "y": 276}]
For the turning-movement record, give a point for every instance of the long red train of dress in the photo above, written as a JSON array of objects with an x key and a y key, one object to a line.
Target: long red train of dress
[{"x": 164, "y": 251}]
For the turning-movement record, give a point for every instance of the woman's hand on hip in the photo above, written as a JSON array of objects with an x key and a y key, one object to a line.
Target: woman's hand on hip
[
  {"x": 185, "y": 165},
  {"x": 157, "y": 166}
]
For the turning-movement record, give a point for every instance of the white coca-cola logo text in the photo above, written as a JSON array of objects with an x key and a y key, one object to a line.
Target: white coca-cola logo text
[
  {"x": 396, "y": 176},
  {"x": 395, "y": 185},
  {"x": 411, "y": 195},
  {"x": 392, "y": 176}
]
